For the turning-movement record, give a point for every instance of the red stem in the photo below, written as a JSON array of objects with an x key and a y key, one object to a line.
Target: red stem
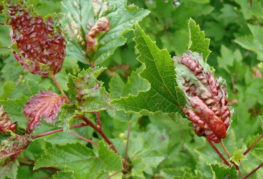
[
  {"x": 57, "y": 130},
  {"x": 219, "y": 153},
  {"x": 253, "y": 145},
  {"x": 253, "y": 171},
  {"x": 60, "y": 88},
  {"x": 100, "y": 131},
  {"x": 83, "y": 138},
  {"x": 98, "y": 119}
]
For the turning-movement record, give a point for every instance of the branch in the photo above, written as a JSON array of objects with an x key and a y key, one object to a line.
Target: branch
[
  {"x": 219, "y": 153},
  {"x": 57, "y": 130},
  {"x": 60, "y": 88},
  {"x": 100, "y": 131},
  {"x": 253, "y": 145},
  {"x": 83, "y": 138},
  {"x": 253, "y": 171},
  {"x": 98, "y": 119},
  {"x": 225, "y": 149}
]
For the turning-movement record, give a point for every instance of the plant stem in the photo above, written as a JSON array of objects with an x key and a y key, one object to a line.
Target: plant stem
[
  {"x": 253, "y": 145},
  {"x": 57, "y": 130},
  {"x": 115, "y": 173},
  {"x": 127, "y": 144},
  {"x": 253, "y": 171},
  {"x": 98, "y": 119},
  {"x": 225, "y": 149},
  {"x": 83, "y": 138},
  {"x": 60, "y": 88},
  {"x": 100, "y": 131},
  {"x": 219, "y": 153}
]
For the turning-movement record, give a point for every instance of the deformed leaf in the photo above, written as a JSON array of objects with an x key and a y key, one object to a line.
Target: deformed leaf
[
  {"x": 197, "y": 41},
  {"x": 88, "y": 92},
  {"x": 46, "y": 104},
  {"x": 5, "y": 122},
  {"x": 12, "y": 147},
  {"x": 82, "y": 15},
  {"x": 164, "y": 94}
]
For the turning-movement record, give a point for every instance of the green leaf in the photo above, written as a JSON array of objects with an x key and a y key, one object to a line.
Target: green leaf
[
  {"x": 66, "y": 116},
  {"x": 64, "y": 175},
  {"x": 83, "y": 14},
  {"x": 83, "y": 162},
  {"x": 8, "y": 88},
  {"x": 133, "y": 86},
  {"x": 88, "y": 92},
  {"x": 160, "y": 72},
  {"x": 9, "y": 170},
  {"x": 228, "y": 57},
  {"x": 224, "y": 172},
  {"x": 253, "y": 42},
  {"x": 111, "y": 160},
  {"x": 197, "y": 41},
  {"x": 238, "y": 156},
  {"x": 14, "y": 108}
]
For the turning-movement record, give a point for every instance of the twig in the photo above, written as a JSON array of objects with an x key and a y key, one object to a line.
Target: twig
[
  {"x": 219, "y": 153},
  {"x": 83, "y": 138},
  {"x": 98, "y": 119},
  {"x": 60, "y": 88},
  {"x": 1, "y": 23},
  {"x": 253, "y": 145},
  {"x": 100, "y": 131},
  {"x": 127, "y": 144},
  {"x": 225, "y": 149},
  {"x": 115, "y": 173},
  {"x": 57, "y": 130},
  {"x": 253, "y": 171}
]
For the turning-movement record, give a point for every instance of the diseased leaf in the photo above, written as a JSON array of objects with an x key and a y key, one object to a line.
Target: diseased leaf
[
  {"x": 82, "y": 15},
  {"x": 46, "y": 104},
  {"x": 12, "y": 147},
  {"x": 164, "y": 95},
  {"x": 197, "y": 41},
  {"x": 88, "y": 92},
  {"x": 5, "y": 122}
]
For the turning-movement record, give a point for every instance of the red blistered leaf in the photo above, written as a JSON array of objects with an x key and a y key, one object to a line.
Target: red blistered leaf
[
  {"x": 207, "y": 100},
  {"x": 40, "y": 48},
  {"x": 5, "y": 122},
  {"x": 46, "y": 104},
  {"x": 12, "y": 147}
]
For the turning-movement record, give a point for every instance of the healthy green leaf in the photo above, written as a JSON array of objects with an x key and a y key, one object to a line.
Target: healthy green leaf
[
  {"x": 83, "y": 162},
  {"x": 197, "y": 41},
  {"x": 224, "y": 172},
  {"x": 9, "y": 170},
  {"x": 160, "y": 72}
]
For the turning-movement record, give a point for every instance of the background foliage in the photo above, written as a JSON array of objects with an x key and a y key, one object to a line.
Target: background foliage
[{"x": 162, "y": 143}]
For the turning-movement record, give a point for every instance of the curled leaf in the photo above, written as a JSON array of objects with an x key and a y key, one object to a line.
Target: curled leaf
[
  {"x": 12, "y": 147},
  {"x": 102, "y": 25},
  {"x": 207, "y": 100},
  {"x": 39, "y": 47},
  {"x": 5, "y": 122},
  {"x": 46, "y": 104}
]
